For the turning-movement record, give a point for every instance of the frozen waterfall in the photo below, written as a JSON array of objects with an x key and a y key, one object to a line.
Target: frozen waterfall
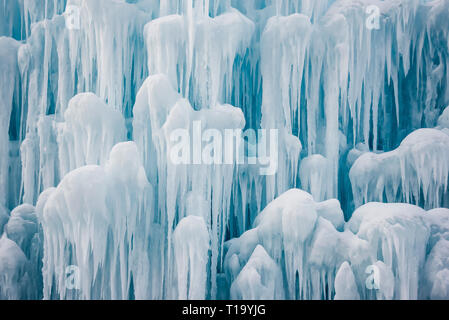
[{"x": 224, "y": 149}]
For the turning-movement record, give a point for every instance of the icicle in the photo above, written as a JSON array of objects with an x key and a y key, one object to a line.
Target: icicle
[
  {"x": 9, "y": 77},
  {"x": 185, "y": 49},
  {"x": 402, "y": 249},
  {"x": 191, "y": 252}
]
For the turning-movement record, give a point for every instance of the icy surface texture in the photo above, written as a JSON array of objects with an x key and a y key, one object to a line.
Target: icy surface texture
[
  {"x": 198, "y": 52},
  {"x": 91, "y": 220},
  {"x": 56, "y": 62},
  {"x": 307, "y": 247},
  {"x": 18, "y": 16},
  {"x": 9, "y": 92},
  {"x": 338, "y": 73},
  {"x": 443, "y": 120},
  {"x": 345, "y": 285},
  {"x": 90, "y": 130},
  {"x": 209, "y": 184},
  {"x": 98, "y": 200},
  {"x": 21, "y": 255},
  {"x": 15, "y": 281},
  {"x": 379, "y": 254},
  {"x": 416, "y": 172},
  {"x": 260, "y": 279},
  {"x": 191, "y": 250}
]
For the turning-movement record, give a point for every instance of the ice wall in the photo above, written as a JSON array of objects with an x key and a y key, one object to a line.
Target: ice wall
[{"x": 351, "y": 89}]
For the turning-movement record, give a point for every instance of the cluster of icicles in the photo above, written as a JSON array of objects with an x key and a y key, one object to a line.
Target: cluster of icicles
[{"x": 86, "y": 183}]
